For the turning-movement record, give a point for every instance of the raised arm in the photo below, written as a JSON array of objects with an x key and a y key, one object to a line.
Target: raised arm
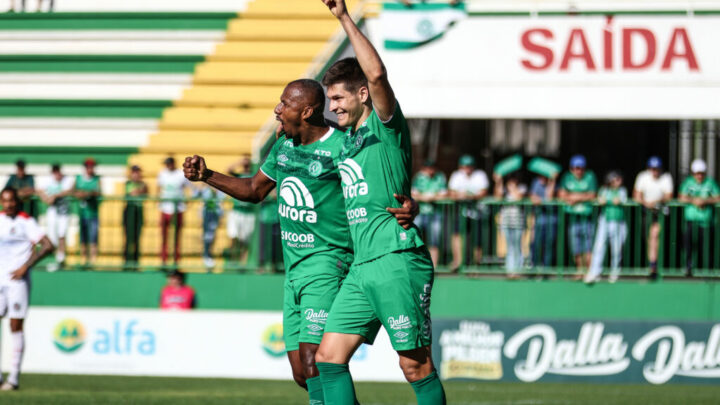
[
  {"x": 250, "y": 189},
  {"x": 381, "y": 93}
]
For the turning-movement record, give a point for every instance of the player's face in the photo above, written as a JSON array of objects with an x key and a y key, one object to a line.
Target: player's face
[
  {"x": 578, "y": 171},
  {"x": 289, "y": 111},
  {"x": 9, "y": 203},
  {"x": 699, "y": 176},
  {"x": 348, "y": 106},
  {"x": 57, "y": 175}
]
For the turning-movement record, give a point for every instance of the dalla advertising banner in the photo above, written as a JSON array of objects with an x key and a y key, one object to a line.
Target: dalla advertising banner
[
  {"x": 234, "y": 344},
  {"x": 589, "y": 351}
]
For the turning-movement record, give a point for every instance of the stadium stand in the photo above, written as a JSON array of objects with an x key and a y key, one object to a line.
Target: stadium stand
[{"x": 168, "y": 78}]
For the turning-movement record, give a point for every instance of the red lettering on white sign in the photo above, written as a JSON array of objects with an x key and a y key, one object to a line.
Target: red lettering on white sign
[{"x": 541, "y": 45}]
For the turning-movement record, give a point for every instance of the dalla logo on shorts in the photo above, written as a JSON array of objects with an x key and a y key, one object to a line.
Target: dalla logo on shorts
[
  {"x": 298, "y": 202},
  {"x": 69, "y": 335},
  {"x": 312, "y": 316},
  {"x": 353, "y": 179},
  {"x": 273, "y": 342},
  {"x": 402, "y": 322}
]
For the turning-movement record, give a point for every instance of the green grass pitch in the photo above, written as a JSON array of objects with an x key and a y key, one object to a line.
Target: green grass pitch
[{"x": 107, "y": 390}]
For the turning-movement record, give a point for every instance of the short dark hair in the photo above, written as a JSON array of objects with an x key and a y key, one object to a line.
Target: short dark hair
[
  {"x": 20, "y": 164},
  {"x": 346, "y": 71},
  {"x": 313, "y": 93},
  {"x": 13, "y": 190},
  {"x": 55, "y": 167}
]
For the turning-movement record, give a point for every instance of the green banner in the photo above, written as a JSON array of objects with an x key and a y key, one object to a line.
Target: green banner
[{"x": 587, "y": 351}]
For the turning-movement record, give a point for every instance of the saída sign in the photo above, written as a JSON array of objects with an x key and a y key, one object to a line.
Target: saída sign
[{"x": 654, "y": 352}]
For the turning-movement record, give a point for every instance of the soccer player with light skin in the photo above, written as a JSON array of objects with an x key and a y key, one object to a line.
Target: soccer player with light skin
[
  {"x": 391, "y": 277},
  {"x": 19, "y": 235},
  {"x": 316, "y": 239}
]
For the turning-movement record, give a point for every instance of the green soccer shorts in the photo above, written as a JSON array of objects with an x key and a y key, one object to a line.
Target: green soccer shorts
[
  {"x": 393, "y": 291},
  {"x": 307, "y": 301}
]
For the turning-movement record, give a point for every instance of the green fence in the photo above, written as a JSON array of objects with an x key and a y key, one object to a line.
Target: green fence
[{"x": 467, "y": 237}]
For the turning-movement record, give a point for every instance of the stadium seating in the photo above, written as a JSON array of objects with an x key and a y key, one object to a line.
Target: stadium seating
[{"x": 133, "y": 83}]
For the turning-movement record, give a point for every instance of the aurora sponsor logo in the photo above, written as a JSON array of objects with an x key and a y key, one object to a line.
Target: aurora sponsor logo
[
  {"x": 352, "y": 178},
  {"x": 298, "y": 202}
]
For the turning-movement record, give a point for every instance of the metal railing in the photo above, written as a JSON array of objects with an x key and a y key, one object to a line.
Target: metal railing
[
  {"x": 467, "y": 237},
  {"x": 548, "y": 248}
]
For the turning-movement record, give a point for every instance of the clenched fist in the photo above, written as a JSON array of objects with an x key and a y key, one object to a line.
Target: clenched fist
[
  {"x": 195, "y": 168},
  {"x": 337, "y": 7}
]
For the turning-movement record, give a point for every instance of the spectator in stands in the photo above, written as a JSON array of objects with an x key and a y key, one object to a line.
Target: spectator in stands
[
  {"x": 542, "y": 191},
  {"x": 700, "y": 193},
  {"x": 578, "y": 188},
  {"x": 512, "y": 220},
  {"x": 241, "y": 220},
  {"x": 135, "y": 192},
  {"x": 24, "y": 183},
  {"x": 176, "y": 294},
  {"x": 172, "y": 186},
  {"x": 652, "y": 190},
  {"x": 87, "y": 190},
  {"x": 211, "y": 214},
  {"x": 611, "y": 228},
  {"x": 428, "y": 186},
  {"x": 54, "y": 193},
  {"x": 467, "y": 185}
]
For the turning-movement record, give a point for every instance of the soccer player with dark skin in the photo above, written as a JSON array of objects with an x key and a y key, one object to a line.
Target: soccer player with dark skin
[{"x": 300, "y": 113}]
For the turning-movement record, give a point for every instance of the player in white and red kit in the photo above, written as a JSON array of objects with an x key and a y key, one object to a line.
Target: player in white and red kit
[{"x": 19, "y": 235}]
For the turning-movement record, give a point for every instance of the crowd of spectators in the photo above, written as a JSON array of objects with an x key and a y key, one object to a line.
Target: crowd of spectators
[
  {"x": 526, "y": 220},
  {"x": 64, "y": 196},
  {"x": 595, "y": 217}
]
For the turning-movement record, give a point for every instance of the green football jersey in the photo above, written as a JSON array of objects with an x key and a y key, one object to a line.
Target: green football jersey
[
  {"x": 691, "y": 188},
  {"x": 310, "y": 202},
  {"x": 572, "y": 184},
  {"x": 89, "y": 206},
  {"x": 375, "y": 163}
]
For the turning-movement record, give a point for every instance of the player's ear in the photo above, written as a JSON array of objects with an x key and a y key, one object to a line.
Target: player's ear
[
  {"x": 307, "y": 112},
  {"x": 364, "y": 94}
]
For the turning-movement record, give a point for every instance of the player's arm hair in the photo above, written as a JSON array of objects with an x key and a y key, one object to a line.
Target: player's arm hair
[
  {"x": 381, "y": 93},
  {"x": 45, "y": 248},
  {"x": 250, "y": 189}
]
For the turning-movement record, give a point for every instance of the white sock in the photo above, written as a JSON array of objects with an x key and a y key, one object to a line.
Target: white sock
[
  {"x": 18, "y": 342},
  {"x": 60, "y": 257}
]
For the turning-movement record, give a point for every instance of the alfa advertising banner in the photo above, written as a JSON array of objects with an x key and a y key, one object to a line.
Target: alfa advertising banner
[
  {"x": 237, "y": 344},
  {"x": 446, "y": 63},
  {"x": 591, "y": 351}
]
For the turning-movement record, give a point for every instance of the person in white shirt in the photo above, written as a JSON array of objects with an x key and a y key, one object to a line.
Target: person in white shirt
[
  {"x": 19, "y": 234},
  {"x": 53, "y": 191},
  {"x": 172, "y": 186},
  {"x": 653, "y": 189},
  {"x": 467, "y": 185}
]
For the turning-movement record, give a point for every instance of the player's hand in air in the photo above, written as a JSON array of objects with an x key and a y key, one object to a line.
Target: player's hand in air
[
  {"x": 337, "y": 7},
  {"x": 407, "y": 213},
  {"x": 195, "y": 169}
]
